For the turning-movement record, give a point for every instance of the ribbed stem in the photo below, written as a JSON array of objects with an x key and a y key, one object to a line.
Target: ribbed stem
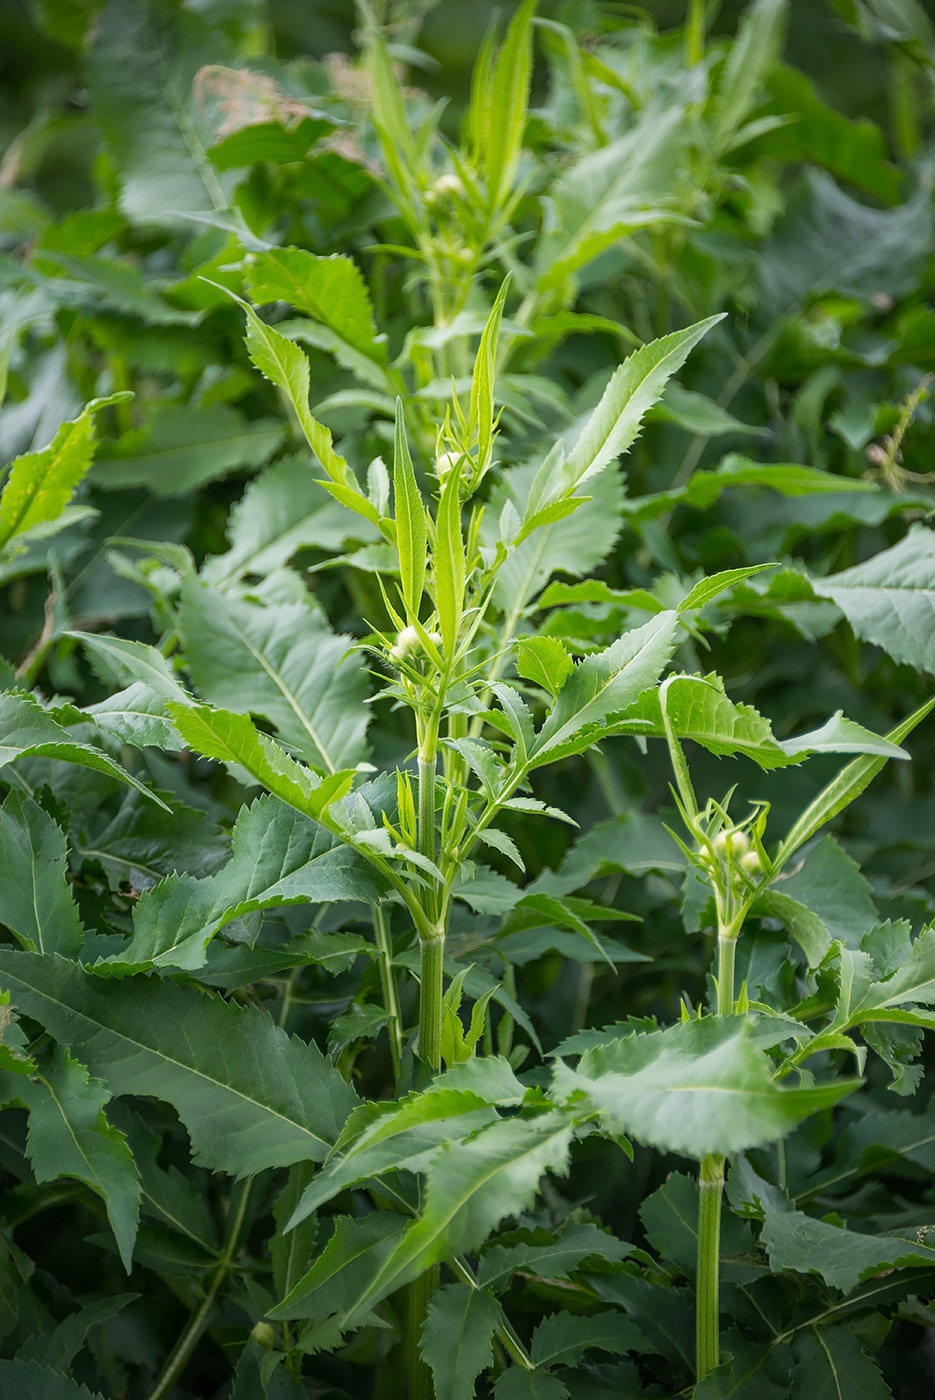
[
  {"x": 427, "y": 806},
  {"x": 430, "y": 1000},
  {"x": 394, "y": 1027},
  {"x": 726, "y": 949},
  {"x": 419, "y": 1293},
  {"x": 710, "y": 1187}
]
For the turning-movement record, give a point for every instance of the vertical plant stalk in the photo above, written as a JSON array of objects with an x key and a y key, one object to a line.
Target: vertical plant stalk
[
  {"x": 707, "y": 1334},
  {"x": 190, "y": 1337},
  {"x": 394, "y": 1027},
  {"x": 695, "y": 32},
  {"x": 432, "y": 948}
]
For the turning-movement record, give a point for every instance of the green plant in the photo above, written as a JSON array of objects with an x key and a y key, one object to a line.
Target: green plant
[{"x": 295, "y": 1048}]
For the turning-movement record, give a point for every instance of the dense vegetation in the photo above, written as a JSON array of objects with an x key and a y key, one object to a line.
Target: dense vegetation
[{"x": 466, "y": 645}]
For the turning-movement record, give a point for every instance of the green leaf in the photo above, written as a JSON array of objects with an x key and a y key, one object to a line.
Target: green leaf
[
  {"x": 134, "y": 661},
  {"x": 280, "y": 661},
  {"x": 232, "y": 738},
  {"x": 504, "y": 108},
  {"x": 136, "y": 716},
  {"x": 179, "y": 449},
  {"x": 752, "y": 55},
  {"x": 634, "y": 387},
  {"x": 696, "y": 1088},
  {"x": 29, "y": 732},
  {"x": 35, "y": 900},
  {"x": 890, "y": 599},
  {"x": 331, "y": 290},
  {"x": 544, "y": 661},
  {"x": 27, "y": 1380},
  {"x": 250, "y": 1096},
  {"x": 450, "y": 563},
  {"x": 826, "y": 899},
  {"x": 278, "y": 857},
  {"x": 41, "y": 484},
  {"x": 409, "y": 511},
  {"x": 607, "y": 194},
  {"x": 519, "y": 1384},
  {"x": 752, "y": 1372},
  {"x": 843, "y": 1258},
  {"x": 282, "y": 511},
  {"x": 456, "y": 1338},
  {"x": 710, "y": 588},
  {"x": 562, "y": 1339},
  {"x": 481, "y": 414},
  {"x": 831, "y": 1363},
  {"x": 602, "y": 686},
  {"x": 58, "y": 1348},
  {"x": 69, "y": 1135},
  {"x": 470, "y": 1188},
  {"x": 536, "y": 1251},
  {"x": 842, "y": 790},
  {"x": 291, "y": 1253}
]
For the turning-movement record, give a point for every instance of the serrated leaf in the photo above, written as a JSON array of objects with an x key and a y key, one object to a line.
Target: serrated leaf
[
  {"x": 409, "y": 514},
  {"x": 754, "y": 52},
  {"x": 232, "y": 738},
  {"x": 827, "y": 899},
  {"x": 40, "y": 484},
  {"x": 503, "y": 112},
  {"x": 36, "y": 902},
  {"x": 69, "y": 1135},
  {"x": 250, "y": 1096},
  {"x": 329, "y": 289},
  {"x": 470, "y": 1188},
  {"x": 547, "y": 1257},
  {"x": 710, "y": 588},
  {"x": 278, "y": 857},
  {"x": 696, "y": 1088},
  {"x": 519, "y": 1384},
  {"x": 179, "y": 449},
  {"x": 603, "y": 685},
  {"x": 27, "y": 1380},
  {"x": 456, "y": 1338},
  {"x": 830, "y": 1363},
  {"x": 29, "y": 732},
  {"x": 544, "y": 661},
  {"x": 282, "y": 662},
  {"x": 134, "y": 661},
  {"x": 562, "y": 1339},
  {"x": 842, "y": 1257},
  {"x": 57, "y": 1349},
  {"x": 890, "y": 599}
]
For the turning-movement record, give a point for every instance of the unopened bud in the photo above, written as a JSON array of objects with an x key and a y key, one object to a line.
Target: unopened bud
[
  {"x": 751, "y": 864},
  {"x": 263, "y": 1333},
  {"x": 406, "y": 641}
]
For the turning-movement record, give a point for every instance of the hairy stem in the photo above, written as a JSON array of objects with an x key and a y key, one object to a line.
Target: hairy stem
[
  {"x": 187, "y": 1342},
  {"x": 710, "y": 1187}
]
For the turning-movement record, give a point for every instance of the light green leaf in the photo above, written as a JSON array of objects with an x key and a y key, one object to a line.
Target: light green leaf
[
  {"x": 751, "y": 57},
  {"x": 277, "y": 857},
  {"x": 409, "y": 511},
  {"x": 281, "y": 661},
  {"x": 29, "y": 732},
  {"x": 40, "y": 484},
  {"x": 481, "y": 415},
  {"x": 180, "y": 449},
  {"x": 234, "y": 738},
  {"x": 890, "y": 599},
  {"x": 504, "y": 108},
  {"x": 449, "y": 561},
  {"x": 250, "y": 1096},
  {"x": 35, "y": 900},
  {"x": 604, "y": 685},
  {"x": 696, "y": 1088},
  {"x": 331, "y": 290},
  {"x": 707, "y": 589},
  {"x": 69, "y": 1135},
  {"x": 136, "y": 716},
  {"x": 456, "y": 1338},
  {"x": 544, "y": 661},
  {"x": 134, "y": 661}
]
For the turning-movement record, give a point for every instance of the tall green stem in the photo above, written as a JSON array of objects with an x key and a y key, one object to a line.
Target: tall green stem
[
  {"x": 710, "y": 1186},
  {"x": 430, "y": 1000},
  {"x": 394, "y": 1025},
  {"x": 726, "y": 948}
]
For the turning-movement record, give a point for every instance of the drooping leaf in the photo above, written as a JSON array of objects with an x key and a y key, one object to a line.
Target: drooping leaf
[
  {"x": 69, "y": 1135},
  {"x": 35, "y": 900},
  {"x": 456, "y": 1338},
  {"x": 280, "y": 661},
  {"x": 250, "y": 1096},
  {"x": 28, "y": 731},
  {"x": 278, "y": 857},
  {"x": 696, "y": 1088}
]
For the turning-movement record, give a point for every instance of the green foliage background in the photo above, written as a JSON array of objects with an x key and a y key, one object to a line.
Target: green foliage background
[{"x": 158, "y": 158}]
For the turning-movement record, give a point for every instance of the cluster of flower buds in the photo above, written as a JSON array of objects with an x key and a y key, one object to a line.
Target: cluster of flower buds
[{"x": 409, "y": 643}]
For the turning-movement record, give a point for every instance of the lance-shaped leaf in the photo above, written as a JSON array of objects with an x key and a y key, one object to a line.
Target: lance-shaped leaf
[
  {"x": 278, "y": 857},
  {"x": 602, "y": 686},
  {"x": 411, "y": 537},
  {"x": 697, "y": 708},
  {"x": 40, "y": 484},
  {"x": 696, "y": 1088},
  {"x": 471, "y": 1186},
  {"x": 235, "y": 739},
  {"x": 449, "y": 561},
  {"x": 634, "y": 388},
  {"x": 457, "y": 1338},
  {"x": 481, "y": 415},
  {"x": 758, "y": 47},
  {"x": 134, "y": 661},
  {"x": 69, "y": 1135},
  {"x": 540, "y": 1253},
  {"x": 502, "y": 107},
  {"x": 27, "y": 731},
  {"x": 250, "y": 1096},
  {"x": 281, "y": 661},
  {"x": 843, "y": 1258},
  {"x": 562, "y": 1339},
  {"x": 35, "y": 900},
  {"x": 179, "y": 449},
  {"x": 890, "y": 599}
]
